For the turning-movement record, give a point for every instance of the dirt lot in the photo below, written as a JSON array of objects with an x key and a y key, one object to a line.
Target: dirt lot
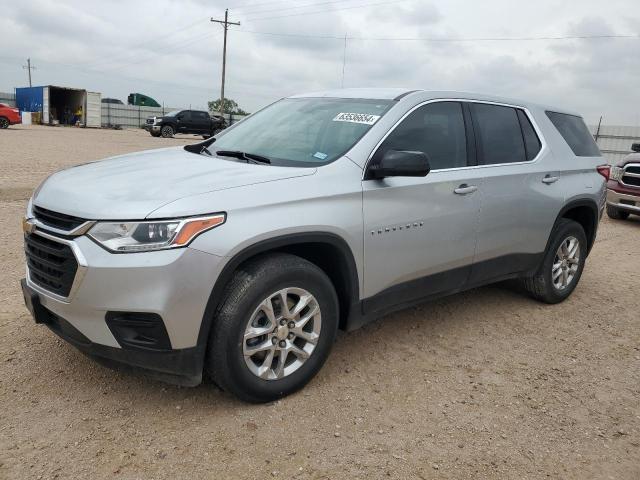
[{"x": 485, "y": 384}]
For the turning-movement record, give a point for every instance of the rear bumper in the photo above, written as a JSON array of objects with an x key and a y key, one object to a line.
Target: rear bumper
[{"x": 623, "y": 201}]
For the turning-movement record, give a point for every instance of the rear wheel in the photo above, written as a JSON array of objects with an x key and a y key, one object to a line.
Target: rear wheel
[
  {"x": 616, "y": 214},
  {"x": 274, "y": 328},
  {"x": 167, "y": 131},
  {"x": 4, "y": 122},
  {"x": 562, "y": 265}
]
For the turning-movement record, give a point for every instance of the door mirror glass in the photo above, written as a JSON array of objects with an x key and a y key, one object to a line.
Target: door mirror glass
[{"x": 400, "y": 163}]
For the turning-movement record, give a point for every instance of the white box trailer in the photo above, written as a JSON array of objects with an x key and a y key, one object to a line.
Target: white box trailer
[{"x": 62, "y": 105}]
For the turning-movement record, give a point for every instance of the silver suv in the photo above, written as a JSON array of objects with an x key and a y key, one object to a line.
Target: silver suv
[{"x": 242, "y": 256}]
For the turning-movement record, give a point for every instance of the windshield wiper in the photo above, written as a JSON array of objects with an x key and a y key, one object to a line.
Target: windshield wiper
[
  {"x": 201, "y": 147},
  {"x": 248, "y": 157}
]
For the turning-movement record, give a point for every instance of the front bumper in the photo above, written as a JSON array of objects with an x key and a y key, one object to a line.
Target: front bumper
[
  {"x": 624, "y": 201},
  {"x": 172, "y": 285},
  {"x": 149, "y": 127}
]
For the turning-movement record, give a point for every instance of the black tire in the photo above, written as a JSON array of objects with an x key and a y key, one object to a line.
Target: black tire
[
  {"x": 616, "y": 214},
  {"x": 167, "y": 131},
  {"x": 540, "y": 285},
  {"x": 155, "y": 134},
  {"x": 253, "y": 282},
  {"x": 4, "y": 122}
]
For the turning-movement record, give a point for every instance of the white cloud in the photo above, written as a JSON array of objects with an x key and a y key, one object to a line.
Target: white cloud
[{"x": 170, "y": 50}]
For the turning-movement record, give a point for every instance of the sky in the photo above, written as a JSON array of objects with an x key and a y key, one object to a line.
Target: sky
[{"x": 171, "y": 51}]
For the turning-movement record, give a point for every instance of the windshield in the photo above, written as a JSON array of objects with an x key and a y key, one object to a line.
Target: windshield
[
  {"x": 173, "y": 114},
  {"x": 304, "y": 131}
]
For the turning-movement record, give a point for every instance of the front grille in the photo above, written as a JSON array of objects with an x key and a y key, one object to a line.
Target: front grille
[
  {"x": 632, "y": 169},
  {"x": 57, "y": 220},
  {"x": 52, "y": 265},
  {"x": 632, "y": 181},
  {"x": 150, "y": 121}
]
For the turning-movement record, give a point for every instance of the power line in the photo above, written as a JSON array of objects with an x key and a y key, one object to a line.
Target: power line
[
  {"x": 296, "y": 7},
  {"x": 446, "y": 39},
  {"x": 166, "y": 37},
  {"x": 328, "y": 10}
]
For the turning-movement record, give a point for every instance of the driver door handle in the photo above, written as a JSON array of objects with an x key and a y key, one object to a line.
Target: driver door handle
[
  {"x": 548, "y": 179},
  {"x": 465, "y": 189}
]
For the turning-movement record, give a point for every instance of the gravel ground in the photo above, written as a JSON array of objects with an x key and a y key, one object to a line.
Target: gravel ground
[{"x": 484, "y": 384}]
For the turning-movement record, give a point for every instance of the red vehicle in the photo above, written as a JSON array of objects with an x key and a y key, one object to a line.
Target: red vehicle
[
  {"x": 623, "y": 187},
  {"x": 9, "y": 115}
]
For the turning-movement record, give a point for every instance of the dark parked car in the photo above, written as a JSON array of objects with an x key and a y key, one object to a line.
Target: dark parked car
[{"x": 185, "y": 121}]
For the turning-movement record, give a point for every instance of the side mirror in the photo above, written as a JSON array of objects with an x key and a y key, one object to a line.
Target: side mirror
[
  {"x": 179, "y": 116},
  {"x": 635, "y": 147},
  {"x": 400, "y": 163}
]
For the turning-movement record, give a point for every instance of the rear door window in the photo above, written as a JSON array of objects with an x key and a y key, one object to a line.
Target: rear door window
[
  {"x": 575, "y": 133},
  {"x": 498, "y": 134}
]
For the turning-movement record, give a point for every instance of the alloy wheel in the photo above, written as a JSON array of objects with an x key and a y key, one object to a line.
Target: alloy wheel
[
  {"x": 566, "y": 263},
  {"x": 282, "y": 333}
]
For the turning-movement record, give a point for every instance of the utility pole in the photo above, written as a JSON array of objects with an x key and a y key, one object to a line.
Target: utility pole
[
  {"x": 344, "y": 58},
  {"x": 225, "y": 23},
  {"x": 29, "y": 68}
]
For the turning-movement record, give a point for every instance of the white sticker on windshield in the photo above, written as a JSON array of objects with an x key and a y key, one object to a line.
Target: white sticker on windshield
[{"x": 363, "y": 118}]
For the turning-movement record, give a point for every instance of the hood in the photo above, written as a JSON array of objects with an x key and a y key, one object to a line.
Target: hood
[
  {"x": 132, "y": 186},
  {"x": 631, "y": 158}
]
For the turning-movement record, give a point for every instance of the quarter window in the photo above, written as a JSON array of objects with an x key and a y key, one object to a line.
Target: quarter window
[
  {"x": 499, "y": 134},
  {"x": 575, "y": 133},
  {"x": 436, "y": 129},
  {"x": 531, "y": 141}
]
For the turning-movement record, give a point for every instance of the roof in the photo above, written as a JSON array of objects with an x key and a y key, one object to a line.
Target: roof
[
  {"x": 395, "y": 93},
  {"x": 367, "y": 93}
]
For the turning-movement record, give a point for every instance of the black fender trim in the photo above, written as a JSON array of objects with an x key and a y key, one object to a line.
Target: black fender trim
[
  {"x": 278, "y": 244},
  {"x": 581, "y": 201}
]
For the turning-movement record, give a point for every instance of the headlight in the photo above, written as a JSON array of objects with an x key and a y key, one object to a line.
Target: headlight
[
  {"x": 125, "y": 237},
  {"x": 616, "y": 173}
]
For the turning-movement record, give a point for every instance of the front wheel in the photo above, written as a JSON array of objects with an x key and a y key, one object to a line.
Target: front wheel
[
  {"x": 562, "y": 265},
  {"x": 167, "y": 131},
  {"x": 616, "y": 214},
  {"x": 4, "y": 123},
  {"x": 274, "y": 328}
]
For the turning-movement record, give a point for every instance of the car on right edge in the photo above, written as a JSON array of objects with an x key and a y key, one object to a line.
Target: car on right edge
[{"x": 623, "y": 187}]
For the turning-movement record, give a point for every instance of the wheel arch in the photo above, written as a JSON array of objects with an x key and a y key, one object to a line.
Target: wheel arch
[
  {"x": 328, "y": 251},
  {"x": 583, "y": 211}
]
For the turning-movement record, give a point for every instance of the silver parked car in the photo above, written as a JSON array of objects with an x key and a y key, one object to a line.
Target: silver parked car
[{"x": 242, "y": 256}]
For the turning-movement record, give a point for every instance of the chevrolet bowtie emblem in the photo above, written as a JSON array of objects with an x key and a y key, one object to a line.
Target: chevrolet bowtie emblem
[{"x": 28, "y": 226}]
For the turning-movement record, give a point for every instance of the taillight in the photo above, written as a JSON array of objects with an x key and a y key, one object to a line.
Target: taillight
[{"x": 604, "y": 170}]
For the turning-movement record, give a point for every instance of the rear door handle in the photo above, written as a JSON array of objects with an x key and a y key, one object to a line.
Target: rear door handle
[
  {"x": 465, "y": 189},
  {"x": 548, "y": 179}
]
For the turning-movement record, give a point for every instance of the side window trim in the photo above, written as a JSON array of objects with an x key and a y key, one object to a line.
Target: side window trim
[
  {"x": 472, "y": 148},
  {"x": 466, "y": 102}
]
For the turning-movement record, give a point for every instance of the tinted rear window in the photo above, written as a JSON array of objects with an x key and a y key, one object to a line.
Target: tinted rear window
[
  {"x": 500, "y": 135},
  {"x": 575, "y": 133}
]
